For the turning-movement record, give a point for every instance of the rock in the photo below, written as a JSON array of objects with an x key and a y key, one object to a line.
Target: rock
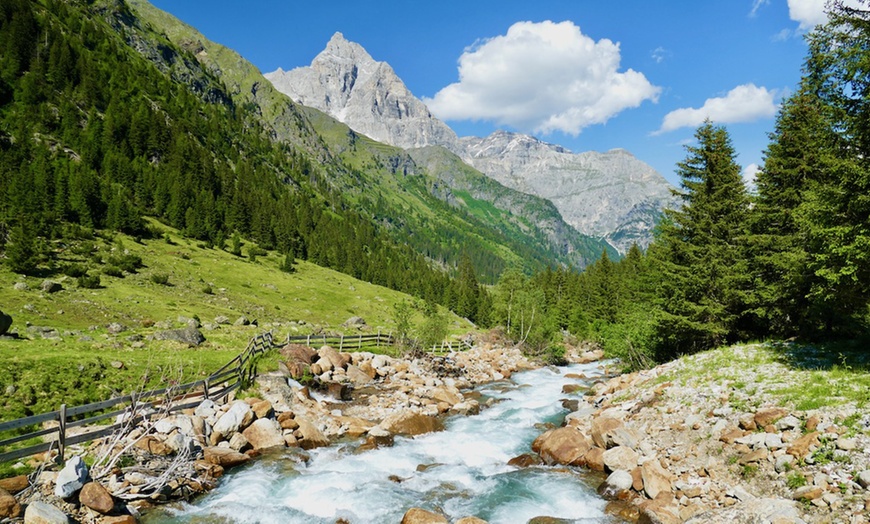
[
  {"x": 354, "y": 321},
  {"x": 470, "y": 520},
  {"x": 264, "y": 433},
  {"x": 338, "y": 391},
  {"x": 15, "y": 484},
  {"x": 602, "y": 431},
  {"x": 526, "y": 460},
  {"x": 121, "y": 519},
  {"x": 620, "y": 458},
  {"x": 222, "y": 320},
  {"x": 336, "y": 359},
  {"x": 242, "y": 321},
  {"x": 422, "y": 516},
  {"x": 309, "y": 436},
  {"x": 410, "y": 423},
  {"x": 847, "y": 444},
  {"x": 224, "y": 457},
  {"x": 357, "y": 376},
  {"x": 263, "y": 409},
  {"x": 594, "y": 459},
  {"x": 784, "y": 463},
  {"x": 239, "y": 443},
  {"x": 565, "y": 445},
  {"x": 189, "y": 335},
  {"x": 808, "y": 493},
  {"x": 801, "y": 447},
  {"x": 616, "y": 484},
  {"x": 114, "y": 328},
  {"x": 71, "y": 478},
  {"x": 5, "y": 323},
  {"x": 655, "y": 478},
  {"x": 765, "y": 416},
  {"x": 49, "y": 286},
  {"x": 42, "y": 513},
  {"x": 153, "y": 445},
  {"x": 235, "y": 419},
  {"x": 20, "y": 286},
  {"x": 445, "y": 394},
  {"x": 739, "y": 492},
  {"x": 9, "y": 507},
  {"x": 117, "y": 364},
  {"x": 788, "y": 423},
  {"x": 754, "y": 456},
  {"x": 96, "y": 497},
  {"x": 205, "y": 409},
  {"x": 863, "y": 478}
]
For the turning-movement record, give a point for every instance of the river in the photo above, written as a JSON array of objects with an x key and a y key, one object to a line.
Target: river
[{"x": 461, "y": 471}]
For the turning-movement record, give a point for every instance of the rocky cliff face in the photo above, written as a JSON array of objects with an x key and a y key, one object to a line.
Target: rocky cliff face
[
  {"x": 345, "y": 82},
  {"x": 609, "y": 195}
]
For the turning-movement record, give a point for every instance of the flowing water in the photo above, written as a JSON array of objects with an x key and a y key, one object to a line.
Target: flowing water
[{"x": 461, "y": 471}]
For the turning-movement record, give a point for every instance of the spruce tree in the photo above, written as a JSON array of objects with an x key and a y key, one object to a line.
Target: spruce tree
[{"x": 702, "y": 277}]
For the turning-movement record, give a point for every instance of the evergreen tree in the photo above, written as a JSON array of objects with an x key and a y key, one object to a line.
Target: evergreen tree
[
  {"x": 701, "y": 270},
  {"x": 22, "y": 255}
]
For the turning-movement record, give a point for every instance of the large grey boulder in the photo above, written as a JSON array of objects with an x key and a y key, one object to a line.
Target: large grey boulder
[
  {"x": 42, "y": 513},
  {"x": 235, "y": 419},
  {"x": 189, "y": 335},
  {"x": 5, "y": 323},
  {"x": 71, "y": 478}
]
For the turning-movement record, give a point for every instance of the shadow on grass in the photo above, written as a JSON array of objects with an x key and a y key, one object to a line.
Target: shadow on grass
[{"x": 851, "y": 355}]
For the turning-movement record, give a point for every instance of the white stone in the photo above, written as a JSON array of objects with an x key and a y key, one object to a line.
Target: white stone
[{"x": 71, "y": 478}]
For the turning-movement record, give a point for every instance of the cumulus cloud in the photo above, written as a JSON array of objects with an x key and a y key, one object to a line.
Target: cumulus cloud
[
  {"x": 542, "y": 77},
  {"x": 810, "y": 13},
  {"x": 749, "y": 173},
  {"x": 744, "y": 103}
]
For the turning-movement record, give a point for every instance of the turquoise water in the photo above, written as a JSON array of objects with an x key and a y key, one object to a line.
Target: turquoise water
[{"x": 466, "y": 474}]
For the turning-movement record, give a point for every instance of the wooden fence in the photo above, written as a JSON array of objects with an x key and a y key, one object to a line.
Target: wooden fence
[{"x": 237, "y": 373}]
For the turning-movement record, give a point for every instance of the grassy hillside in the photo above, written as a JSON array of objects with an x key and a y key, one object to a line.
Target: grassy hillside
[{"x": 72, "y": 362}]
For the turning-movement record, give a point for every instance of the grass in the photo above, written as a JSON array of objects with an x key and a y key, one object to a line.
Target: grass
[{"x": 37, "y": 374}]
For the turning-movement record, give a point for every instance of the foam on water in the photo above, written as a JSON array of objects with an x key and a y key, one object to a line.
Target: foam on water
[{"x": 465, "y": 473}]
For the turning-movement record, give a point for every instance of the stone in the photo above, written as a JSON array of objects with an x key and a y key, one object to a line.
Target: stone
[
  {"x": 655, "y": 478},
  {"x": 41, "y": 513},
  {"x": 847, "y": 444},
  {"x": 338, "y": 391},
  {"x": 96, "y": 497},
  {"x": 235, "y": 419},
  {"x": 20, "y": 286},
  {"x": 15, "y": 484},
  {"x": 808, "y": 493},
  {"x": 658, "y": 512},
  {"x": 309, "y": 436},
  {"x": 422, "y": 516},
  {"x": 594, "y": 459},
  {"x": 620, "y": 457},
  {"x": 264, "y": 433},
  {"x": 470, "y": 520},
  {"x": 526, "y": 460},
  {"x": 189, "y": 335},
  {"x": 602, "y": 431},
  {"x": 445, "y": 394},
  {"x": 637, "y": 479},
  {"x": 299, "y": 352},
  {"x": 863, "y": 479},
  {"x": 336, "y": 359},
  {"x": 565, "y": 445},
  {"x": 754, "y": 456},
  {"x": 410, "y": 423},
  {"x": 242, "y": 321},
  {"x": 739, "y": 492},
  {"x": 5, "y": 323},
  {"x": 263, "y": 409},
  {"x": 9, "y": 507},
  {"x": 71, "y": 478},
  {"x": 788, "y": 423},
  {"x": 616, "y": 483},
  {"x": 812, "y": 423},
  {"x": 224, "y": 457},
  {"x": 205, "y": 409},
  {"x": 356, "y": 322},
  {"x": 357, "y": 376},
  {"x": 765, "y": 416},
  {"x": 49, "y": 286},
  {"x": 120, "y": 519},
  {"x": 222, "y": 320},
  {"x": 114, "y": 328},
  {"x": 153, "y": 445},
  {"x": 239, "y": 443},
  {"x": 783, "y": 463},
  {"x": 801, "y": 447}
]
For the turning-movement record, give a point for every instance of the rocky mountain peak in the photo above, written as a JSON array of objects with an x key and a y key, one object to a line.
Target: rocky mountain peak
[{"x": 341, "y": 49}]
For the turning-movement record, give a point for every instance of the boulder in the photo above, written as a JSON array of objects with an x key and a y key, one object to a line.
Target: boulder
[
  {"x": 655, "y": 478},
  {"x": 801, "y": 447},
  {"x": 338, "y": 360},
  {"x": 309, "y": 436},
  {"x": 616, "y": 485},
  {"x": 338, "y": 391},
  {"x": 15, "y": 484},
  {"x": 49, "y": 286},
  {"x": 71, "y": 478},
  {"x": 9, "y": 507},
  {"x": 263, "y": 409},
  {"x": 445, "y": 394},
  {"x": 620, "y": 458},
  {"x": 299, "y": 352},
  {"x": 224, "y": 457},
  {"x": 239, "y": 443},
  {"x": 242, "y": 321},
  {"x": 20, "y": 286},
  {"x": 42, "y": 513},
  {"x": 863, "y": 478},
  {"x": 422, "y": 516},
  {"x": 153, "y": 445},
  {"x": 602, "y": 431},
  {"x": 205, "y": 409},
  {"x": 357, "y": 376},
  {"x": 470, "y": 520},
  {"x": 594, "y": 459},
  {"x": 765, "y": 416},
  {"x": 121, "y": 519},
  {"x": 356, "y": 322},
  {"x": 564, "y": 445},
  {"x": 222, "y": 320},
  {"x": 96, "y": 497},
  {"x": 235, "y": 419},
  {"x": 264, "y": 433},
  {"x": 5, "y": 323},
  {"x": 411, "y": 423},
  {"x": 526, "y": 460},
  {"x": 189, "y": 335}
]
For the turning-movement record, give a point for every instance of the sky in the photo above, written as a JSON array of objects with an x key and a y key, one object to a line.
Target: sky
[{"x": 585, "y": 74}]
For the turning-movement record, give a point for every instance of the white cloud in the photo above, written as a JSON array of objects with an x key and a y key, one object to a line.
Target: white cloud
[
  {"x": 659, "y": 54},
  {"x": 756, "y": 5},
  {"x": 744, "y": 103},
  {"x": 749, "y": 173},
  {"x": 542, "y": 77},
  {"x": 809, "y": 13}
]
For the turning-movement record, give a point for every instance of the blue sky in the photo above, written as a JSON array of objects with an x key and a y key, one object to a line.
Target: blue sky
[{"x": 584, "y": 74}]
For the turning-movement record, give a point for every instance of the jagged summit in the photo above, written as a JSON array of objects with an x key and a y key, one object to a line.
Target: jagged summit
[{"x": 610, "y": 195}]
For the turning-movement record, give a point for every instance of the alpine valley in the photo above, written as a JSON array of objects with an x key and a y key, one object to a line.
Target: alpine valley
[{"x": 610, "y": 195}]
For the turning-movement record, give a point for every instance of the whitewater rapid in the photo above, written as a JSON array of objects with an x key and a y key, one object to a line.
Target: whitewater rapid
[{"x": 461, "y": 471}]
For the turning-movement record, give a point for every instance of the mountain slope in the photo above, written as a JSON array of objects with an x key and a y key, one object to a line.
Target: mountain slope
[{"x": 604, "y": 195}]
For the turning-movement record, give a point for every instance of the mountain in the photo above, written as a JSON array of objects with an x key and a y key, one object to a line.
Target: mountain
[{"x": 609, "y": 195}]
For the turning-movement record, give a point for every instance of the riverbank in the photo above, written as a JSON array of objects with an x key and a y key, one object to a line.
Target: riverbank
[{"x": 752, "y": 433}]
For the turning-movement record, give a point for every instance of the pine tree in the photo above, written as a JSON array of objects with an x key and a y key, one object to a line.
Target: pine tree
[{"x": 698, "y": 255}]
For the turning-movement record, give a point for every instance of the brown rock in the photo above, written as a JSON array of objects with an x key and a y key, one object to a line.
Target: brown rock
[
  {"x": 444, "y": 394},
  {"x": 565, "y": 445},
  {"x": 9, "y": 507},
  {"x": 300, "y": 353},
  {"x": 594, "y": 459},
  {"x": 421, "y": 516},
  {"x": 338, "y": 391},
  {"x": 754, "y": 456},
  {"x": 224, "y": 457},
  {"x": 209, "y": 469},
  {"x": 288, "y": 423},
  {"x": 656, "y": 479},
  {"x": 263, "y": 409},
  {"x": 411, "y": 423},
  {"x": 637, "y": 479},
  {"x": 571, "y": 388},
  {"x": 747, "y": 422},
  {"x": 526, "y": 460},
  {"x": 813, "y": 423},
  {"x": 264, "y": 433},
  {"x": 366, "y": 367},
  {"x": 96, "y": 497},
  {"x": 470, "y": 520},
  {"x": 765, "y": 416},
  {"x": 122, "y": 519},
  {"x": 153, "y": 445},
  {"x": 602, "y": 431},
  {"x": 357, "y": 376},
  {"x": 808, "y": 493},
  {"x": 309, "y": 436},
  {"x": 801, "y": 447},
  {"x": 14, "y": 484},
  {"x": 620, "y": 457},
  {"x": 659, "y": 511},
  {"x": 729, "y": 436}
]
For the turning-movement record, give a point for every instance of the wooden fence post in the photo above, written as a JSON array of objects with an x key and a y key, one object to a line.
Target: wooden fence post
[{"x": 61, "y": 434}]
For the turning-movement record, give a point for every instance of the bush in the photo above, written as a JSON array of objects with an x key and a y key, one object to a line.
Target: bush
[
  {"x": 632, "y": 341},
  {"x": 160, "y": 278},
  {"x": 88, "y": 281},
  {"x": 74, "y": 270},
  {"x": 208, "y": 290},
  {"x": 113, "y": 271},
  {"x": 129, "y": 263}
]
